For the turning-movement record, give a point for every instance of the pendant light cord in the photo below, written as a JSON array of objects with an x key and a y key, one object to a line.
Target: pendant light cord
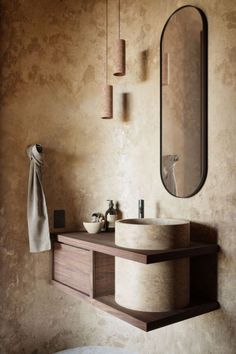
[
  {"x": 119, "y": 18},
  {"x": 106, "y": 42}
]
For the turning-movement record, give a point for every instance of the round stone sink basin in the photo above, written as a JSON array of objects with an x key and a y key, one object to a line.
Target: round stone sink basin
[
  {"x": 152, "y": 234},
  {"x": 161, "y": 286}
]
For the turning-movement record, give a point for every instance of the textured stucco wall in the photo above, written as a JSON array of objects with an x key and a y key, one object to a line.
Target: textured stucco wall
[{"x": 52, "y": 56}]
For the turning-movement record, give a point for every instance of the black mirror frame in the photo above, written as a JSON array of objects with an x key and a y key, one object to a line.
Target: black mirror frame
[{"x": 204, "y": 108}]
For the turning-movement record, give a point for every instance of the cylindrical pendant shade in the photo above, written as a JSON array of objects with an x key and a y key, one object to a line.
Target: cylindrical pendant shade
[
  {"x": 107, "y": 107},
  {"x": 120, "y": 58}
]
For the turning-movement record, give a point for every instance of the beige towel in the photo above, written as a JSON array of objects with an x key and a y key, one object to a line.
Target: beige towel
[
  {"x": 168, "y": 173},
  {"x": 37, "y": 215}
]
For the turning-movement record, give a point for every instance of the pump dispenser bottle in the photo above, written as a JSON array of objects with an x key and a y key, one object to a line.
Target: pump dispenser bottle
[{"x": 110, "y": 217}]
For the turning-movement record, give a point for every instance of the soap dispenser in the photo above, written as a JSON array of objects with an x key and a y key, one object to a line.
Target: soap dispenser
[{"x": 110, "y": 217}]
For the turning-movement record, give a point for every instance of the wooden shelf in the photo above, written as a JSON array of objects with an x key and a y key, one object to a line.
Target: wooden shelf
[
  {"x": 84, "y": 266},
  {"x": 105, "y": 243},
  {"x": 147, "y": 321}
]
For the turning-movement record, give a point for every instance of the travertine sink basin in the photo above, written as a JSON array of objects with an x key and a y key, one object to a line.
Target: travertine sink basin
[
  {"x": 154, "y": 287},
  {"x": 152, "y": 234}
]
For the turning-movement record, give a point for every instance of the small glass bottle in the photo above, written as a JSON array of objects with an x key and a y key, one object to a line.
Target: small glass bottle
[{"x": 110, "y": 217}]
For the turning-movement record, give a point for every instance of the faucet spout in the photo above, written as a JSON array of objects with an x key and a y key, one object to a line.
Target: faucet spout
[{"x": 141, "y": 209}]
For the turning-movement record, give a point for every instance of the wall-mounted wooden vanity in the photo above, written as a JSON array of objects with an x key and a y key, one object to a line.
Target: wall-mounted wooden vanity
[{"x": 84, "y": 265}]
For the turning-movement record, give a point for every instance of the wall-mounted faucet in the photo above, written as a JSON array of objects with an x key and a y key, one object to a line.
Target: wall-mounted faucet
[{"x": 141, "y": 208}]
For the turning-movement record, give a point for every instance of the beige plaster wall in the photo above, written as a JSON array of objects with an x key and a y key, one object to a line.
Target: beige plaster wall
[{"x": 52, "y": 60}]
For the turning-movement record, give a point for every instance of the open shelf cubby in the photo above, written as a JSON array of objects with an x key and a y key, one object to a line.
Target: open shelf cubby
[{"x": 84, "y": 266}]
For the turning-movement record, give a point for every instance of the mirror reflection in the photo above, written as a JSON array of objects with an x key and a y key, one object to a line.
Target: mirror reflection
[{"x": 183, "y": 102}]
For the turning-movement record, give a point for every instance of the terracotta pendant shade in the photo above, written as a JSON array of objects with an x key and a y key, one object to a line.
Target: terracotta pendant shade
[
  {"x": 120, "y": 58},
  {"x": 107, "y": 108}
]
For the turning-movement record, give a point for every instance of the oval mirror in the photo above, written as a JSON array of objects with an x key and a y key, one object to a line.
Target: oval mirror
[{"x": 184, "y": 102}]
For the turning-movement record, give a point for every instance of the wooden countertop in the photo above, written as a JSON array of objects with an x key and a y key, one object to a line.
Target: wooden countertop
[{"x": 104, "y": 242}]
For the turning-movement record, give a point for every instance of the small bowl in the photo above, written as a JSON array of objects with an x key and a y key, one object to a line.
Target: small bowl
[{"x": 92, "y": 227}]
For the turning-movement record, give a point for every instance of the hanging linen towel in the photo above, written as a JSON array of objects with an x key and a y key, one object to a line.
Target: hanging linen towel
[
  {"x": 37, "y": 215},
  {"x": 168, "y": 173}
]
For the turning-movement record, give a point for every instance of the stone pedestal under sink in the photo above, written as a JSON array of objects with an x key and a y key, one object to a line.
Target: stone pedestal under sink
[{"x": 153, "y": 287}]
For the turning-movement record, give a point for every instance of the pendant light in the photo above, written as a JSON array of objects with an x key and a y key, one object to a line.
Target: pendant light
[
  {"x": 120, "y": 51},
  {"x": 107, "y": 89}
]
